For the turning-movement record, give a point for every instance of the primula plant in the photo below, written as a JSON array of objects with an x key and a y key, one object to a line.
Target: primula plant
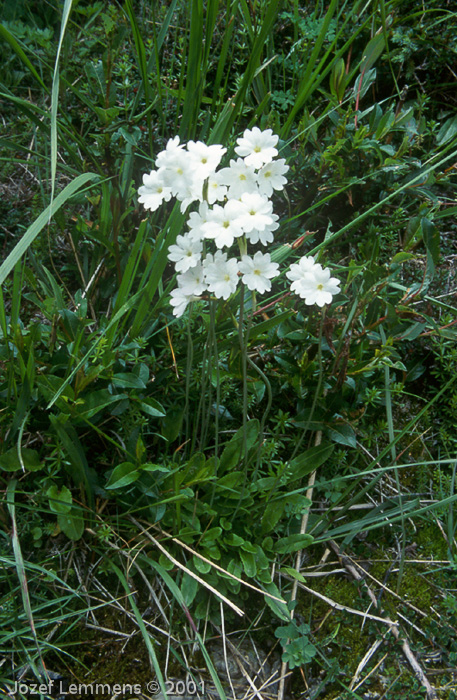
[{"x": 233, "y": 204}]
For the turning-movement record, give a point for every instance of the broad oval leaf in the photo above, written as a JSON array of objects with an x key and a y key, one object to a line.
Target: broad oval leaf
[
  {"x": 71, "y": 524},
  {"x": 293, "y": 543},
  {"x": 122, "y": 475}
]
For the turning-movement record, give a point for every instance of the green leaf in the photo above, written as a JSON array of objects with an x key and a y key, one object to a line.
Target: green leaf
[
  {"x": 77, "y": 467},
  {"x": 338, "y": 79},
  {"x": 343, "y": 434},
  {"x": 97, "y": 400},
  {"x": 71, "y": 524},
  {"x": 447, "y": 131},
  {"x": 293, "y": 573},
  {"x": 152, "y": 408},
  {"x": 122, "y": 475},
  {"x": 189, "y": 588},
  {"x": 372, "y": 52},
  {"x": 401, "y": 258},
  {"x": 249, "y": 563},
  {"x": 128, "y": 380},
  {"x": 202, "y": 566},
  {"x": 10, "y": 462},
  {"x": 280, "y": 609},
  {"x": 20, "y": 53},
  {"x": 309, "y": 461},
  {"x": 233, "y": 451},
  {"x": 59, "y": 501},
  {"x": 431, "y": 237},
  {"x": 293, "y": 543},
  {"x": 272, "y": 514},
  {"x": 39, "y": 223}
]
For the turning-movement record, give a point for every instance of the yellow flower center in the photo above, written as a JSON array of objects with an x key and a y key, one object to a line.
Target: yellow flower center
[
  {"x": 257, "y": 272},
  {"x": 257, "y": 149},
  {"x": 320, "y": 287}
]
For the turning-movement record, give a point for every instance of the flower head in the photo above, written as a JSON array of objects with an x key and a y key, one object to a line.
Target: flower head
[
  {"x": 271, "y": 177},
  {"x": 180, "y": 300},
  {"x": 258, "y": 271},
  {"x": 205, "y": 158},
  {"x": 239, "y": 178},
  {"x": 256, "y": 212},
  {"x": 153, "y": 191},
  {"x": 193, "y": 282},
  {"x": 257, "y": 147},
  {"x": 186, "y": 253},
  {"x": 221, "y": 275},
  {"x": 312, "y": 282},
  {"x": 223, "y": 223}
]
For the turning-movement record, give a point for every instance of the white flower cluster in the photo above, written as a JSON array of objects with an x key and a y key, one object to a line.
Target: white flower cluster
[{"x": 233, "y": 204}]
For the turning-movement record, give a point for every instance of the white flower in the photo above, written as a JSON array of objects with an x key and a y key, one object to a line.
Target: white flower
[
  {"x": 221, "y": 275},
  {"x": 177, "y": 173},
  {"x": 192, "y": 282},
  {"x": 217, "y": 189},
  {"x": 270, "y": 177},
  {"x": 266, "y": 236},
  {"x": 257, "y": 271},
  {"x": 224, "y": 223},
  {"x": 299, "y": 270},
  {"x": 196, "y": 221},
  {"x": 239, "y": 178},
  {"x": 256, "y": 212},
  {"x": 153, "y": 191},
  {"x": 312, "y": 282},
  {"x": 180, "y": 301},
  {"x": 171, "y": 149},
  {"x": 205, "y": 158},
  {"x": 186, "y": 253},
  {"x": 257, "y": 147}
]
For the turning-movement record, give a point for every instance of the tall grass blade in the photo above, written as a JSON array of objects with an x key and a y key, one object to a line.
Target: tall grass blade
[
  {"x": 39, "y": 223},
  {"x": 55, "y": 96},
  {"x": 20, "y": 568}
]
